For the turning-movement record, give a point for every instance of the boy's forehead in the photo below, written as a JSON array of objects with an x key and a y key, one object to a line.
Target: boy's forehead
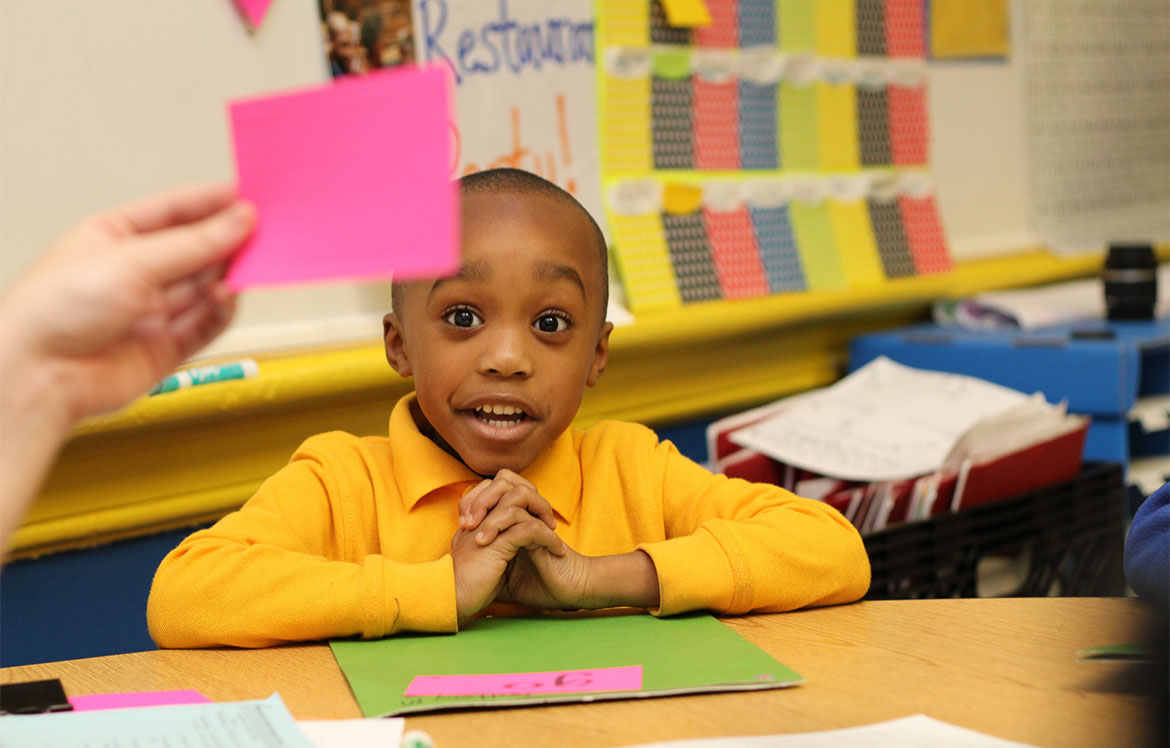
[{"x": 493, "y": 223}]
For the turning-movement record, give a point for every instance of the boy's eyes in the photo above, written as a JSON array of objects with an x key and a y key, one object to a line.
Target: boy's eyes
[
  {"x": 551, "y": 323},
  {"x": 466, "y": 318},
  {"x": 463, "y": 317}
]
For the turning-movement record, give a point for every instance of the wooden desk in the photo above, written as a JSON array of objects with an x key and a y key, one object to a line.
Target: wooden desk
[{"x": 1006, "y": 667}]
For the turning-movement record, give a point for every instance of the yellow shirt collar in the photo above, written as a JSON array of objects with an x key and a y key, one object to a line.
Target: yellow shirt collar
[{"x": 420, "y": 466}]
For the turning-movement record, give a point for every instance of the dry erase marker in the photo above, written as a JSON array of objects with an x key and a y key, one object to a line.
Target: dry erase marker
[{"x": 181, "y": 380}]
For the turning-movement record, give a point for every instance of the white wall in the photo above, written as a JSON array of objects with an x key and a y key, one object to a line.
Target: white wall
[{"x": 104, "y": 101}]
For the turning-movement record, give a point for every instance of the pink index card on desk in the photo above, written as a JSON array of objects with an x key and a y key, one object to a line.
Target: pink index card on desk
[
  {"x": 135, "y": 699},
  {"x": 553, "y": 681},
  {"x": 350, "y": 181}
]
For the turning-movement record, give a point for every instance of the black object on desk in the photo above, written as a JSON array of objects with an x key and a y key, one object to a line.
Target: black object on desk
[
  {"x": 1131, "y": 281},
  {"x": 33, "y": 697}
]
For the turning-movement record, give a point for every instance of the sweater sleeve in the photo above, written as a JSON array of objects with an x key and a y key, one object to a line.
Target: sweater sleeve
[
  {"x": 294, "y": 564},
  {"x": 1147, "y": 548},
  {"x": 737, "y": 547}
]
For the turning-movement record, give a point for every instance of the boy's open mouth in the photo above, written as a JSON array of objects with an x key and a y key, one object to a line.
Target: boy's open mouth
[{"x": 500, "y": 416}]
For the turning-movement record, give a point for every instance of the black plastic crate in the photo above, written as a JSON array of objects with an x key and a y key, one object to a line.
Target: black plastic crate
[{"x": 1071, "y": 533}]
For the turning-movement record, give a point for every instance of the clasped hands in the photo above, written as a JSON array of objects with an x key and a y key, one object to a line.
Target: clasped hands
[{"x": 506, "y": 549}]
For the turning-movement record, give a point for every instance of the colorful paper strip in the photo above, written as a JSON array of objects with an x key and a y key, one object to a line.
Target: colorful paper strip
[
  {"x": 734, "y": 251},
  {"x": 778, "y": 248},
  {"x": 716, "y": 124}
]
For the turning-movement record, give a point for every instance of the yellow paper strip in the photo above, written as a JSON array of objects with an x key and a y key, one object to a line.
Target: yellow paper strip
[
  {"x": 687, "y": 13},
  {"x": 626, "y": 126},
  {"x": 624, "y": 24},
  {"x": 836, "y": 28},
  {"x": 643, "y": 261},
  {"x": 855, "y": 242},
  {"x": 837, "y": 120}
]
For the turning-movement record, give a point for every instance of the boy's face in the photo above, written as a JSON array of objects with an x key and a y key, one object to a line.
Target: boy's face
[{"x": 502, "y": 352}]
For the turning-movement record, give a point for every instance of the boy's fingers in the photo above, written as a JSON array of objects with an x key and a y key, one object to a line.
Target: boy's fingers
[
  {"x": 500, "y": 519},
  {"x": 531, "y": 534},
  {"x": 482, "y": 499},
  {"x": 514, "y": 478},
  {"x": 465, "y": 519},
  {"x": 528, "y": 498}
]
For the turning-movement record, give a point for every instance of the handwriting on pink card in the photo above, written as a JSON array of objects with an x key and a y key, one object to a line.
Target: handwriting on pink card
[
  {"x": 136, "y": 698},
  {"x": 350, "y": 181},
  {"x": 553, "y": 681}
]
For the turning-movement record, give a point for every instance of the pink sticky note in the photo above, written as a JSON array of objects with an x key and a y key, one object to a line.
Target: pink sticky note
[
  {"x": 253, "y": 10},
  {"x": 136, "y": 698},
  {"x": 350, "y": 181},
  {"x": 553, "y": 681}
]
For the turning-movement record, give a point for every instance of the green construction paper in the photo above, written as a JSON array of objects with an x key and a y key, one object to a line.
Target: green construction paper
[
  {"x": 799, "y": 129},
  {"x": 1131, "y": 652},
  {"x": 671, "y": 64},
  {"x": 812, "y": 227},
  {"x": 797, "y": 22},
  {"x": 683, "y": 654}
]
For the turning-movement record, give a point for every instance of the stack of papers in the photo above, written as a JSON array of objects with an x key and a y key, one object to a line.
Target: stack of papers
[{"x": 886, "y": 443}]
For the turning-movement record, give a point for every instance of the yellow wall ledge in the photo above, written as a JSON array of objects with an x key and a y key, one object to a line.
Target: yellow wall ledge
[{"x": 189, "y": 456}]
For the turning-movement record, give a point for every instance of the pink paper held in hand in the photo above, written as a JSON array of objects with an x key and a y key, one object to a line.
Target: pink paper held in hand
[
  {"x": 505, "y": 684},
  {"x": 350, "y": 181}
]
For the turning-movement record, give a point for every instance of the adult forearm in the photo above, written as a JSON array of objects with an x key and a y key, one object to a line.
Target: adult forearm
[{"x": 35, "y": 419}]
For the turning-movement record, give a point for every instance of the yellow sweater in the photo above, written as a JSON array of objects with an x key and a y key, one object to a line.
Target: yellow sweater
[{"x": 353, "y": 538}]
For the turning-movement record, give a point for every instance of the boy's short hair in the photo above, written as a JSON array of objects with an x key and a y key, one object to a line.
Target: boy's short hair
[{"x": 518, "y": 181}]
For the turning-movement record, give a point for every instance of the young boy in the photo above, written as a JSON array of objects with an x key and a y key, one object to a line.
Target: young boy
[{"x": 481, "y": 493}]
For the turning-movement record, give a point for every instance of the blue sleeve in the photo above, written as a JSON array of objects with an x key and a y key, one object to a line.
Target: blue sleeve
[{"x": 1147, "y": 550}]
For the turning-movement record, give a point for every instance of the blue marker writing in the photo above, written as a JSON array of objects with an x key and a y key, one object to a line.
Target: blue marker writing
[{"x": 181, "y": 380}]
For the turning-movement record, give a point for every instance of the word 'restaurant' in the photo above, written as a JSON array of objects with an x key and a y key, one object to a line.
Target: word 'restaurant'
[{"x": 503, "y": 43}]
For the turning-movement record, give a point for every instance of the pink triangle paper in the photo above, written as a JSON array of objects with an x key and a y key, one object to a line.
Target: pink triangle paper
[{"x": 253, "y": 11}]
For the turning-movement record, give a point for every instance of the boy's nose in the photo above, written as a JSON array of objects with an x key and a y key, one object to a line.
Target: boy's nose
[{"x": 506, "y": 355}]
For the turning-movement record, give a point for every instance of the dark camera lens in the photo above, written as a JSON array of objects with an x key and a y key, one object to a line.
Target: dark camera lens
[{"x": 1131, "y": 281}]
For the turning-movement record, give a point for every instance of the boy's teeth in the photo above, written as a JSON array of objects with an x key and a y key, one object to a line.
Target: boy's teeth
[{"x": 499, "y": 410}]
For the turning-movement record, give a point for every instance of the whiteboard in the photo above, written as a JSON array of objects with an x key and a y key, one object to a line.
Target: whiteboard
[{"x": 104, "y": 101}]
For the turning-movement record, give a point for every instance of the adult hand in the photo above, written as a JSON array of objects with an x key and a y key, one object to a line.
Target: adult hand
[
  {"x": 109, "y": 310},
  {"x": 127, "y": 295}
]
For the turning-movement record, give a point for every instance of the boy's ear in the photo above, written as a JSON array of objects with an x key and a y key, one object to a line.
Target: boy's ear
[
  {"x": 395, "y": 345},
  {"x": 600, "y": 355}
]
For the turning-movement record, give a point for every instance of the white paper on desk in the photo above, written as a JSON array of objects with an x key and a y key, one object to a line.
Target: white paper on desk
[
  {"x": 884, "y": 421},
  {"x": 1041, "y": 306},
  {"x": 264, "y": 723},
  {"x": 918, "y": 731},
  {"x": 354, "y": 733}
]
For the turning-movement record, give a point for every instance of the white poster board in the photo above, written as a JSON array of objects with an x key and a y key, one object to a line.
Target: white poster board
[{"x": 525, "y": 79}]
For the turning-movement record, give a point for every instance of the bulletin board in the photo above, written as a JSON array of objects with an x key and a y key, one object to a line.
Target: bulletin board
[
  {"x": 777, "y": 148},
  {"x": 102, "y": 102}
]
